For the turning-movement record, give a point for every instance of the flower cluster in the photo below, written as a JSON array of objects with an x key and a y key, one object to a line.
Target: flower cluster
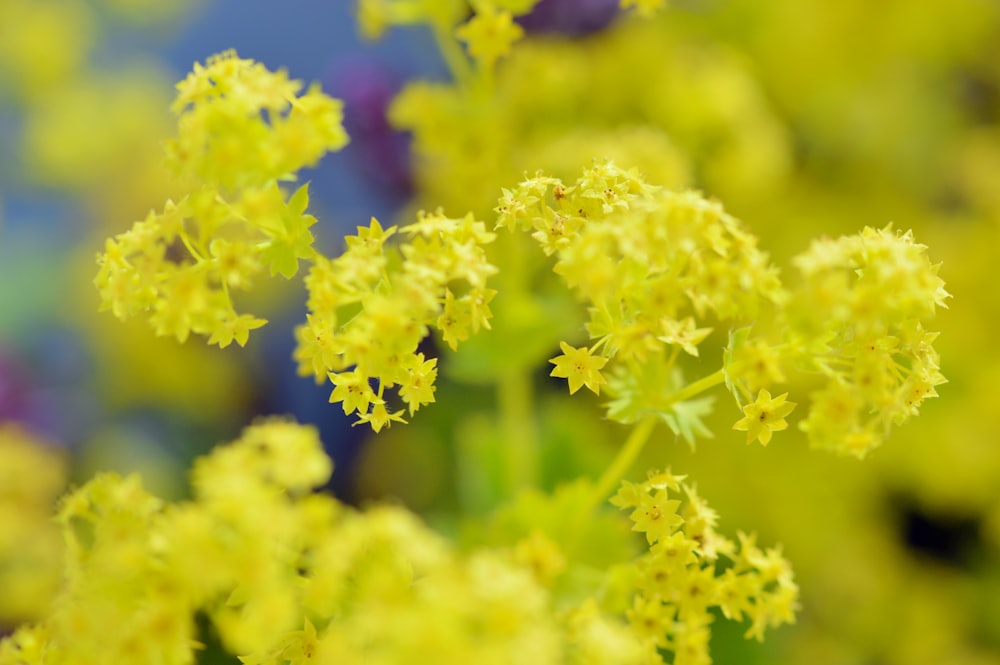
[
  {"x": 860, "y": 310},
  {"x": 241, "y": 129},
  {"x": 539, "y": 110},
  {"x": 31, "y": 477},
  {"x": 242, "y": 126},
  {"x": 288, "y": 576},
  {"x": 489, "y": 34},
  {"x": 691, "y": 568},
  {"x": 368, "y": 312},
  {"x": 763, "y": 416},
  {"x": 656, "y": 268}
]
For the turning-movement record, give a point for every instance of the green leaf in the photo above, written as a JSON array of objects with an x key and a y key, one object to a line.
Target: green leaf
[
  {"x": 646, "y": 390},
  {"x": 642, "y": 389},
  {"x": 737, "y": 338},
  {"x": 281, "y": 257},
  {"x": 685, "y": 419}
]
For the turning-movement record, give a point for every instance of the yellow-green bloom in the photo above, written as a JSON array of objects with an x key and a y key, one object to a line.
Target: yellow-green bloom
[
  {"x": 656, "y": 515},
  {"x": 489, "y": 34},
  {"x": 764, "y": 416},
  {"x": 678, "y": 579},
  {"x": 579, "y": 367}
]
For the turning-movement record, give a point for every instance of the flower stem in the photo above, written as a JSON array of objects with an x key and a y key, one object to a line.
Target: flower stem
[
  {"x": 640, "y": 434},
  {"x": 623, "y": 460},
  {"x": 520, "y": 438},
  {"x": 699, "y": 386},
  {"x": 515, "y": 393},
  {"x": 458, "y": 64}
]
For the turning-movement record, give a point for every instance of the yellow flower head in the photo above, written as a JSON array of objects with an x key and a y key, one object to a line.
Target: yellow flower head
[
  {"x": 242, "y": 125},
  {"x": 865, "y": 298},
  {"x": 581, "y": 368},
  {"x": 764, "y": 416},
  {"x": 490, "y": 34},
  {"x": 678, "y": 577}
]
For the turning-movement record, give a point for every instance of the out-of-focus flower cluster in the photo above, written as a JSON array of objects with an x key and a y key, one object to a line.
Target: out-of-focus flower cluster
[
  {"x": 864, "y": 299},
  {"x": 285, "y": 575},
  {"x": 83, "y": 128},
  {"x": 32, "y": 475}
]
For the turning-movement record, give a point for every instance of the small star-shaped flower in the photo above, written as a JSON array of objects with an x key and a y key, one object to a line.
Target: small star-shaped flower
[
  {"x": 579, "y": 367},
  {"x": 764, "y": 416},
  {"x": 489, "y": 34}
]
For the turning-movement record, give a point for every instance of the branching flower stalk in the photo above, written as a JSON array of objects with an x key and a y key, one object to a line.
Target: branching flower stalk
[{"x": 640, "y": 435}]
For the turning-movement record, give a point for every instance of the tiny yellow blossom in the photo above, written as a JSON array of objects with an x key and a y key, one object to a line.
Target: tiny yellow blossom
[
  {"x": 32, "y": 474},
  {"x": 234, "y": 327},
  {"x": 455, "y": 320},
  {"x": 352, "y": 390},
  {"x": 542, "y": 556},
  {"x": 380, "y": 416},
  {"x": 764, "y": 416},
  {"x": 417, "y": 386},
  {"x": 684, "y": 334},
  {"x": 579, "y": 367},
  {"x": 490, "y": 34},
  {"x": 371, "y": 237},
  {"x": 656, "y": 516}
]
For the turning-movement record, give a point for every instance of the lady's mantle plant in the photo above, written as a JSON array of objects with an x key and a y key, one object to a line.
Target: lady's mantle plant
[{"x": 285, "y": 575}]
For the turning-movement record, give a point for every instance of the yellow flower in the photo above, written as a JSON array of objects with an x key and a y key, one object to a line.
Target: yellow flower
[
  {"x": 455, "y": 320},
  {"x": 352, "y": 390},
  {"x": 656, "y": 516},
  {"x": 764, "y": 416},
  {"x": 380, "y": 416},
  {"x": 417, "y": 386},
  {"x": 234, "y": 327},
  {"x": 579, "y": 367},
  {"x": 684, "y": 334},
  {"x": 489, "y": 34},
  {"x": 372, "y": 237}
]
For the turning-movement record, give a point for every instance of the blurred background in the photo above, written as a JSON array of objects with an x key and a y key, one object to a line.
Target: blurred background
[{"x": 803, "y": 118}]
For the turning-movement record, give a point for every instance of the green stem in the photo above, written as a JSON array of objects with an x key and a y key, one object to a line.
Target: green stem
[
  {"x": 520, "y": 438},
  {"x": 640, "y": 434},
  {"x": 458, "y": 64},
  {"x": 699, "y": 386},
  {"x": 515, "y": 393},
  {"x": 623, "y": 460},
  {"x": 190, "y": 246}
]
